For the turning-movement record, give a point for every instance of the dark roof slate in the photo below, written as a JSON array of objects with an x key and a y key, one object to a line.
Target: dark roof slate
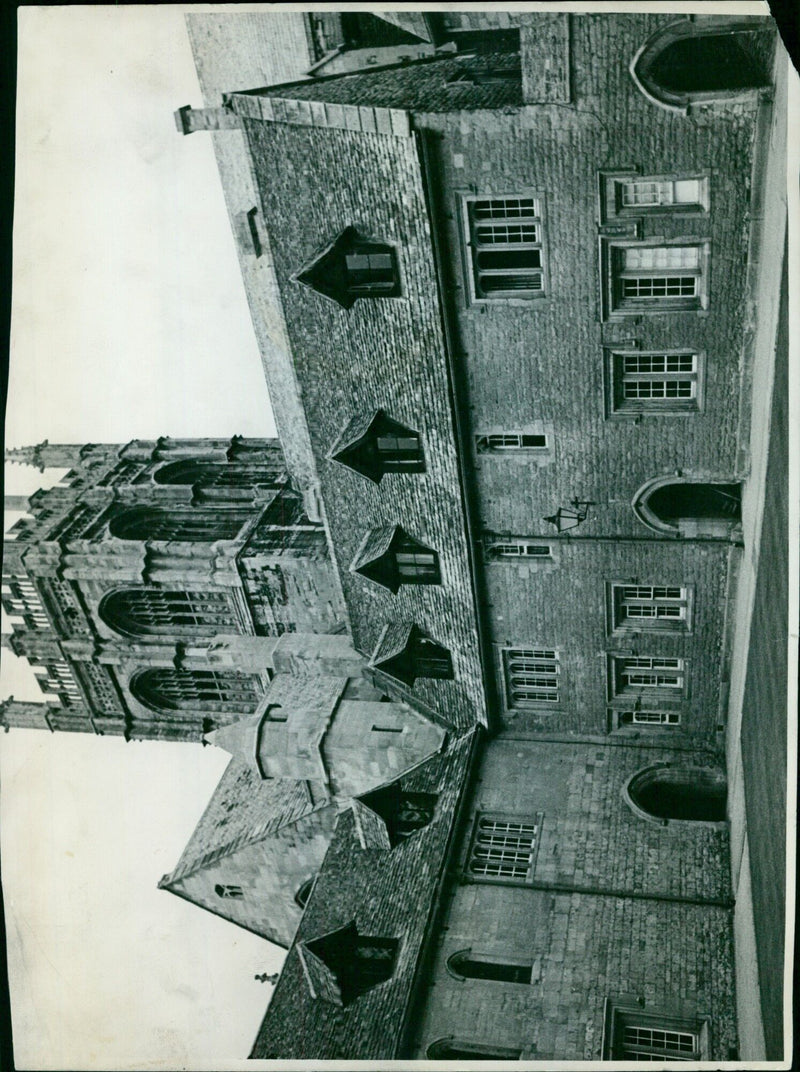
[
  {"x": 354, "y": 431},
  {"x": 375, "y": 545},
  {"x": 386, "y": 894},
  {"x": 417, "y": 86},
  {"x": 385, "y": 353},
  {"x": 392, "y": 642}
]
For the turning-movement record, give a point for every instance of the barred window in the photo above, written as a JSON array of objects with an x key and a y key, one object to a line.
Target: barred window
[
  {"x": 503, "y": 848},
  {"x": 648, "y": 606},
  {"x": 531, "y": 676},
  {"x": 504, "y": 235}
]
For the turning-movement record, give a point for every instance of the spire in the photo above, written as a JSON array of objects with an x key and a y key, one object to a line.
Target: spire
[
  {"x": 46, "y": 455},
  {"x": 20, "y": 714},
  {"x": 16, "y": 502}
]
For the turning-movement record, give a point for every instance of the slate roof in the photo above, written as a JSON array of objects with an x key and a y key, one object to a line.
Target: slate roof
[
  {"x": 375, "y": 545},
  {"x": 386, "y": 894},
  {"x": 392, "y": 642},
  {"x": 354, "y": 431},
  {"x": 419, "y": 85},
  {"x": 382, "y": 354},
  {"x": 243, "y": 809}
]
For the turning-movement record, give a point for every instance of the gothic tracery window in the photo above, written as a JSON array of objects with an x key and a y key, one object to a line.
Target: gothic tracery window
[
  {"x": 164, "y": 688},
  {"x": 194, "y": 525},
  {"x": 159, "y": 612}
]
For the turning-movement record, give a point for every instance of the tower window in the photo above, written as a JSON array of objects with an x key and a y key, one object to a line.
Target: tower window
[
  {"x": 167, "y": 689},
  {"x": 161, "y": 612},
  {"x": 193, "y": 525}
]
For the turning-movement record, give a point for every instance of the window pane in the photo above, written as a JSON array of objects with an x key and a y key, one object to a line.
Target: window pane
[{"x": 646, "y": 257}]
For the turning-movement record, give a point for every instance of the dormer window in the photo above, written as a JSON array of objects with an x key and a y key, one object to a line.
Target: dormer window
[
  {"x": 404, "y": 652},
  {"x": 390, "y": 557},
  {"x": 352, "y": 266},
  {"x": 387, "y": 816},
  {"x": 371, "y": 271},
  {"x": 343, "y": 965},
  {"x": 374, "y": 444}
]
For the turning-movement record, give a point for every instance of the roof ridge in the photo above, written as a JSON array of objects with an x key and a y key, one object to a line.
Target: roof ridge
[
  {"x": 248, "y": 837},
  {"x": 410, "y": 62}
]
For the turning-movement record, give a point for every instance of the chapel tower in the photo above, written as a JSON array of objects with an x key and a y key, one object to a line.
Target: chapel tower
[{"x": 137, "y": 585}]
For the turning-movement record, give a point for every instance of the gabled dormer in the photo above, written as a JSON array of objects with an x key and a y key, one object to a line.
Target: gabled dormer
[
  {"x": 351, "y": 267},
  {"x": 386, "y": 816},
  {"x": 341, "y": 966},
  {"x": 390, "y": 557},
  {"x": 405, "y": 652},
  {"x": 374, "y": 444}
]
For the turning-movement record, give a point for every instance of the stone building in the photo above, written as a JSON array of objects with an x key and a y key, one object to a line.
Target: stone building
[
  {"x": 497, "y": 268},
  {"x": 140, "y": 585}
]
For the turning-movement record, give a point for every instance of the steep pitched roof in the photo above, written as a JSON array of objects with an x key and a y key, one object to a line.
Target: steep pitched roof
[
  {"x": 243, "y": 809},
  {"x": 441, "y": 83},
  {"x": 382, "y": 354},
  {"x": 385, "y": 894},
  {"x": 374, "y": 546}
]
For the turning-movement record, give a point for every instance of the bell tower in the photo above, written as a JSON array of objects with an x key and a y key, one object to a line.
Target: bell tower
[{"x": 119, "y": 581}]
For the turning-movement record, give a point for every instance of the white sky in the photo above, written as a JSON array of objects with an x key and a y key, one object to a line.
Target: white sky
[{"x": 129, "y": 321}]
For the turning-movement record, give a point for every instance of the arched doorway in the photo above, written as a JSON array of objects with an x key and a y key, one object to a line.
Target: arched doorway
[
  {"x": 712, "y": 59},
  {"x": 668, "y": 794},
  {"x": 681, "y": 507}
]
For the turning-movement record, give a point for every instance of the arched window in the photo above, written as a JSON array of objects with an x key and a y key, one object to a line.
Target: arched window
[
  {"x": 215, "y": 474},
  {"x": 684, "y": 507},
  {"x": 671, "y": 502},
  {"x": 688, "y": 62},
  {"x": 454, "y": 1049},
  {"x": 194, "y": 525},
  {"x": 166, "y": 689},
  {"x": 466, "y": 965},
  {"x": 303, "y": 894},
  {"x": 683, "y": 794},
  {"x": 158, "y": 612}
]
